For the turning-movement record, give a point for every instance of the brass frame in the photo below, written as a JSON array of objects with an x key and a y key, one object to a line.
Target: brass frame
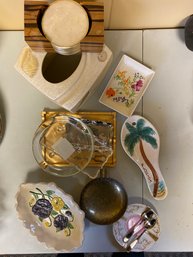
[{"x": 109, "y": 117}]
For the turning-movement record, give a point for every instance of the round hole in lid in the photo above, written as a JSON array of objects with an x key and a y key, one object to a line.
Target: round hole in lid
[{"x": 57, "y": 68}]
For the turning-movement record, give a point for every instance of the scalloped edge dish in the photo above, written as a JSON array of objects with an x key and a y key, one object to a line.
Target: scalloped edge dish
[{"x": 51, "y": 215}]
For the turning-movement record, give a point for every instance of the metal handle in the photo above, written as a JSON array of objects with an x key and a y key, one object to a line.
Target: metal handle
[
  {"x": 103, "y": 172},
  {"x": 135, "y": 239}
]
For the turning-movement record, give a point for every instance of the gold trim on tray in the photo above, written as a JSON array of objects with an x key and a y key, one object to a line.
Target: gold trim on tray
[{"x": 109, "y": 117}]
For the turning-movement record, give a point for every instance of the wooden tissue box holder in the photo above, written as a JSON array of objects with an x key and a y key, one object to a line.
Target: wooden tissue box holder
[{"x": 33, "y": 12}]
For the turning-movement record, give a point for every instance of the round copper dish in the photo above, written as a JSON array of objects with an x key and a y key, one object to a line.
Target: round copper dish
[{"x": 103, "y": 200}]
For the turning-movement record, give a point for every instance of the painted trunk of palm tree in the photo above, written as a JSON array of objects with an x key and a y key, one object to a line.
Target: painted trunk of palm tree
[{"x": 154, "y": 173}]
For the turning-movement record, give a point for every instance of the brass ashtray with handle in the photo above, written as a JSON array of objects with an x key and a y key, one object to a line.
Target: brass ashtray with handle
[{"x": 66, "y": 144}]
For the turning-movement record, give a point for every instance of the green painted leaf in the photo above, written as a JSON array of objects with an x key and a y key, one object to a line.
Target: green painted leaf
[
  {"x": 132, "y": 129},
  {"x": 70, "y": 225},
  {"x": 131, "y": 141},
  {"x": 35, "y": 195},
  {"x": 54, "y": 213},
  {"x": 50, "y": 192},
  {"x": 147, "y": 131},
  {"x": 151, "y": 140},
  {"x": 140, "y": 124},
  {"x": 65, "y": 207},
  {"x": 40, "y": 219}
]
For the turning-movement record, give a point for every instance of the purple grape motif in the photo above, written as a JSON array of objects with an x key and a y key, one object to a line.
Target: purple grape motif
[
  {"x": 61, "y": 222},
  {"x": 42, "y": 208},
  {"x": 52, "y": 210}
]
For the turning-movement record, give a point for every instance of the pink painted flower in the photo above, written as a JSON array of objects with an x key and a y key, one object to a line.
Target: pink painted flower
[{"x": 139, "y": 83}]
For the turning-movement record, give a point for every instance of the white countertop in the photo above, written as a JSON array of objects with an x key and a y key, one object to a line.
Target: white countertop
[{"x": 167, "y": 104}]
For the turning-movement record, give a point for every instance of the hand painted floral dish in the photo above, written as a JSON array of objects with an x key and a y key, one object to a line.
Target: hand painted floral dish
[
  {"x": 128, "y": 220},
  {"x": 126, "y": 86},
  {"x": 51, "y": 215},
  {"x": 141, "y": 142}
]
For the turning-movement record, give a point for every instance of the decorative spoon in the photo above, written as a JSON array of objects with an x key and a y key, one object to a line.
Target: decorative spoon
[
  {"x": 141, "y": 142},
  {"x": 146, "y": 215},
  {"x": 148, "y": 224}
]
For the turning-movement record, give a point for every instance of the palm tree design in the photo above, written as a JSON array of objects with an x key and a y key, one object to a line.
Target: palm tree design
[{"x": 138, "y": 133}]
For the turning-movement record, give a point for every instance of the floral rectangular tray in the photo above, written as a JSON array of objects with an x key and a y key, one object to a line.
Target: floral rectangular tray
[{"x": 126, "y": 86}]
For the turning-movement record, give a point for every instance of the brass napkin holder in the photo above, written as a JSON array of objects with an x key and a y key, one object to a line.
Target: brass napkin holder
[
  {"x": 109, "y": 117},
  {"x": 33, "y": 12}
]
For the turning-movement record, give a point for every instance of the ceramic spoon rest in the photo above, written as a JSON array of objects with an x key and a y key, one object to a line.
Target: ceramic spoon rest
[
  {"x": 72, "y": 91},
  {"x": 141, "y": 142}
]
